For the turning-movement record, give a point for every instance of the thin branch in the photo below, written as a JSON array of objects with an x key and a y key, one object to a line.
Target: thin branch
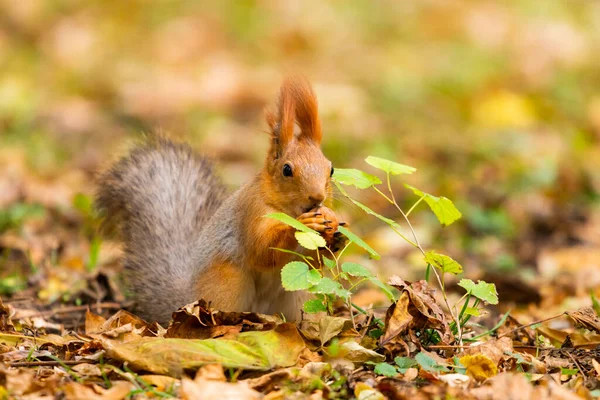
[
  {"x": 49, "y": 363},
  {"x": 531, "y": 324}
]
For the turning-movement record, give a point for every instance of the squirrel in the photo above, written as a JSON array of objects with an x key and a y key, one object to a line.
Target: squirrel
[{"x": 185, "y": 239}]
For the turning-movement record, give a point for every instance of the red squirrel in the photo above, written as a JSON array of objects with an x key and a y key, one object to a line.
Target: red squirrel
[{"x": 185, "y": 239}]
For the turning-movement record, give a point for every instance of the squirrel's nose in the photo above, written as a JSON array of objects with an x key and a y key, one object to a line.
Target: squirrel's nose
[{"x": 316, "y": 199}]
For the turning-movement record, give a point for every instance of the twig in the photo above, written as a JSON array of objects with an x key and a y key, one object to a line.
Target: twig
[
  {"x": 579, "y": 367},
  {"x": 49, "y": 363},
  {"x": 528, "y": 325}
]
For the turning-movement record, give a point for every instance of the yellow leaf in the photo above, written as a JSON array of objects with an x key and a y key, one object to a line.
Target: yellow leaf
[{"x": 479, "y": 366}]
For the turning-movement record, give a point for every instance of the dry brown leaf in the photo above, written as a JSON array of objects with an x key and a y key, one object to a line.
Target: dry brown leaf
[
  {"x": 578, "y": 340},
  {"x": 398, "y": 319},
  {"x": 268, "y": 382},
  {"x": 161, "y": 382},
  {"x": 199, "y": 321},
  {"x": 93, "y": 322},
  {"x": 585, "y": 318},
  {"x": 505, "y": 386},
  {"x": 211, "y": 372},
  {"x": 123, "y": 325},
  {"x": 455, "y": 380},
  {"x": 215, "y": 390},
  {"x": 118, "y": 391},
  {"x": 330, "y": 327},
  {"x": 416, "y": 309},
  {"x": 352, "y": 351},
  {"x": 86, "y": 369},
  {"x": 495, "y": 349},
  {"x": 6, "y": 313}
]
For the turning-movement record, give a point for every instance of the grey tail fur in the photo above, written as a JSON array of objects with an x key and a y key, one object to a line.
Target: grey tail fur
[{"x": 159, "y": 198}]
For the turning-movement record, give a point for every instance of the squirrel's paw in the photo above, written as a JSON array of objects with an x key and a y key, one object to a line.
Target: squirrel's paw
[
  {"x": 338, "y": 241},
  {"x": 324, "y": 221},
  {"x": 319, "y": 221}
]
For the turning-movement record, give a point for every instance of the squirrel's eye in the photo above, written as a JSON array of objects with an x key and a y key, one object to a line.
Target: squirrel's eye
[
  {"x": 331, "y": 173},
  {"x": 287, "y": 170}
]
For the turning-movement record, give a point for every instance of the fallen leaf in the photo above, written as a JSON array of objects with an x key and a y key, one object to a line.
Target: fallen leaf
[
  {"x": 363, "y": 391},
  {"x": 585, "y": 318},
  {"x": 123, "y": 325},
  {"x": 329, "y": 327},
  {"x": 479, "y": 366},
  {"x": 280, "y": 347},
  {"x": 455, "y": 380},
  {"x": 199, "y": 321},
  {"x": 495, "y": 349},
  {"x": 118, "y": 391},
  {"x": 416, "y": 309},
  {"x": 398, "y": 319},
  {"x": 161, "y": 382},
  {"x": 211, "y": 372},
  {"x": 354, "y": 352},
  {"x": 214, "y": 390},
  {"x": 6, "y": 314}
]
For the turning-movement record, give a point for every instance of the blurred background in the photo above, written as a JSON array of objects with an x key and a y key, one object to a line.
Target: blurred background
[{"x": 497, "y": 104}]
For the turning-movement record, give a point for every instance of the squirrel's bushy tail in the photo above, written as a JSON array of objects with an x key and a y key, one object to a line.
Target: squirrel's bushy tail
[{"x": 159, "y": 198}]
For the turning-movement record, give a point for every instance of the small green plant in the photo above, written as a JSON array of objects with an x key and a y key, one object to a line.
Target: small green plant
[
  {"x": 308, "y": 274},
  {"x": 323, "y": 276},
  {"x": 84, "y": 205}
]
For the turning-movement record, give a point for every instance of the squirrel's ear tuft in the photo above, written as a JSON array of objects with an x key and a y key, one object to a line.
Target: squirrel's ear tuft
[
  {"x": 305, "y": 102},
  {"x": 296, "y": 103}
]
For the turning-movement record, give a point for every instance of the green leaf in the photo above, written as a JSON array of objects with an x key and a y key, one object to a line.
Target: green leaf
[
  {"x": 595, "y": 304},
  {"x": 569, "y": 371},
  {"x": 482, "y": 290},
  {"x": 342, "y": 293},
  {"x": 358, "y": 241},
  {"x": 385, "y": 369},
  {"x": 297, "y": 275},
  {"x": 294, "y": 223},
  {"x": 329, "y": 263},
  {"x": 355, "y": 269},
  {"x": 443, "y": 262},
  {"x": 442, "y": 207},
  {"x": 314, "y": 306},
  {"x": 325, "y": 286},
  {"x": 391, "y": 167},
  {"x": 428, "y": 364},
  {"x": 366, "y": 209},
  {"x": 356, "y": 178},
  {"x": 474, "y": 311},
  {"x": 384, "y": 288},
  {"x": 309, "y": 240},
  {"x": 404, "y": 363},
  {"x": 83, "y": 203}
]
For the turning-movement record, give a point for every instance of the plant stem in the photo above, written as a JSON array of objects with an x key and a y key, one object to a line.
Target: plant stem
[
  {"x": 379, "y": 322},
  {"x": 414, "y": 205}
]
